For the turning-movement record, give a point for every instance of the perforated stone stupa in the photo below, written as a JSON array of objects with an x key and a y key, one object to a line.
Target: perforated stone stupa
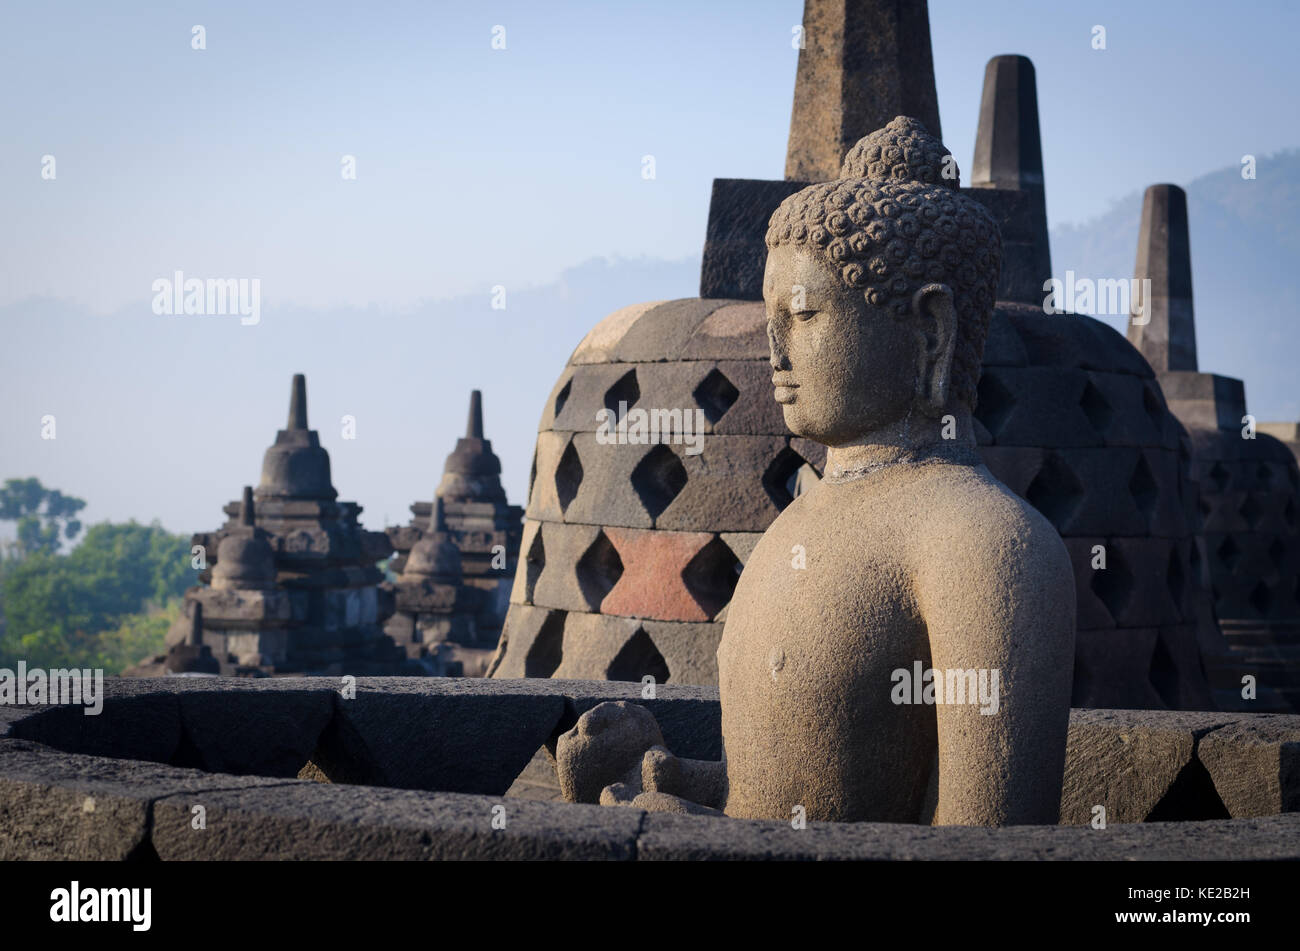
[
  {"x": 456, "y": 561},
  {"x": 291, "y": 584},
  {"x": 1249, "y": 482},
  {"x": 631, "y": 551}
]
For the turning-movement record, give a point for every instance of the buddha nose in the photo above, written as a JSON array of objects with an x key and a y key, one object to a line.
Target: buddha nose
[{"x": 779, "y": 360}]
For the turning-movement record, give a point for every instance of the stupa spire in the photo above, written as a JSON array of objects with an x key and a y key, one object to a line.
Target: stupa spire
[
  {"x": 298, "y": 403},
  {"x": 1167, "y": 335},
  {"x": 862, "y": 63},
  {"x": 474, "y": 429}
]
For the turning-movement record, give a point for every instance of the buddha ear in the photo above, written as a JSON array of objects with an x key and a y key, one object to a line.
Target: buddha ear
[{"x": 936, "y": 323}]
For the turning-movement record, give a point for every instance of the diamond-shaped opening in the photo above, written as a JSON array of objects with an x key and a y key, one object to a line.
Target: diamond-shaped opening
[
  {"x": 544, "y": 656},
  {"x": 568, "y": 476},
  {"x": 1265, "y": 476},
  {"x": 563, "y": 396},
  {"x": 1096, "y": 408},
  {"x": 622, "y": 396},
  {"x": 715, "y": 395},
  {"x": 658, "y": 479},
  {"x": 1220, "y": 476},
  {"x": 995, "y": 404},
  {"x": 1203, "y": 506},
  {"x": 1228, "y": 553},
  {"x": 1276, "y": 552},
  {"x": 1250, "y": 510},
  {"x": 532, "y": 476},
  {"x": 1175, "y": 578},
  {"x": 1113, "y": 584},
  {"x": 1055, "y": 491},
  {"x": 711, "y": 576},
  {"x": 1151, "y": 403},
  {"x": 782, "y": 476},
  {"x": 1261, "y": 598},
  {"x": 598, "y": 571},
  {"x": 1144, "y": 488},
  {"x": 639, "y": 658},
  {"x": 1163, "y": 674},
  {"x": 1191, "y": 797},
  {"x": 534, "y": 562}
]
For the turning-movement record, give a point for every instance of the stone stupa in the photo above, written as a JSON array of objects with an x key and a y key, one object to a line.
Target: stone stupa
[
  {"x": 449, "y": 616},
  {"x": 291, "y": 584},
  {"x": 1249, "y": 481},
  {"x": 631, "y": 551}
]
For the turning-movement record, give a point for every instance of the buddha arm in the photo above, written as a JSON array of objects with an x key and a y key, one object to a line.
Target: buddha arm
[{"x": 1002, "y": 606}]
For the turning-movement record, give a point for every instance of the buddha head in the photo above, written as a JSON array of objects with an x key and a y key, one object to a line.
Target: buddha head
[{"x": 879, "y": 288}]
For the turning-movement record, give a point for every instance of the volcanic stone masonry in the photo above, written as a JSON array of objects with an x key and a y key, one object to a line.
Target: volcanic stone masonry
[
  {"x": 456, "y": 561},
  {"x": 1250, "y": 545},
  {"x": 292, "y": 580},
  {"x": 630, "y": 553}
]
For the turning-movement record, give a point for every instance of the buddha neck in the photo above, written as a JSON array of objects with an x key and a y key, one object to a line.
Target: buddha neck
[{"x": 916, "y": 439}]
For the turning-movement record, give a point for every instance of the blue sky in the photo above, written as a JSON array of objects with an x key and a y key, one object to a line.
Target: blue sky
[{"x": 475, "y": 167}]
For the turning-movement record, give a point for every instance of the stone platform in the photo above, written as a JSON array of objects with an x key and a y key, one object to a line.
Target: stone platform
[{"x": 420, "y": 768}]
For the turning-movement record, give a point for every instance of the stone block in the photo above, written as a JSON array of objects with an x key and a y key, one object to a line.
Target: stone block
[
  {"x": 1139, "y": 765},
  {"x": 444, "y": 734},
  {"x": 550, "y": 480},
  {"x": 242, "y": 727},
  {"x": 531, "y": 643},
  {"x": 655, "y": 582},
  {"x": 599, "y": 344},
  {"x": 662, "y": 332},
  {"x": 735, "y": 249},
  {"x": 735, "y": 331},
  {"x": 1255, "y": 764},
  {"x": 721, "y": 493},
  {"x": 305, "y": 821},
  {"x": 689, "y": 650}
]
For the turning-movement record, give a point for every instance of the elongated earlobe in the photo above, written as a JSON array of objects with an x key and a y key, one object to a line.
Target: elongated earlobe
[{"x": 936, "y": 323}]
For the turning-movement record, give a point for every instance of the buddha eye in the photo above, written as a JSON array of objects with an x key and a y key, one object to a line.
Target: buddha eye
[{"x": 805, "y": 315}]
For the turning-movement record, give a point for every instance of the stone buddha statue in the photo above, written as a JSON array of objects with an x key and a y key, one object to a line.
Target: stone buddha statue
[{"x": 899, "y": 646}]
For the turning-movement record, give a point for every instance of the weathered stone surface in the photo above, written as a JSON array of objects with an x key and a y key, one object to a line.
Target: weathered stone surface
[
  {"x": 435, "y": 734},
  {"x": 601, "y": 341},
  {"x": 1255, "y": 765},
  {"x": 1139, "y": 766},
  {"x": 665, "y": 837},
  {"x": 56, "y": 806},
  {"x": 689, "y": 650},
  {"x": 662, "y": 331},
  {"x": 720, "y": 493},
  {"x": 307, "y": 821},
  {"x": 606, "y": 493},
  {"x": 592, "y": 388},
  {"x": 548, "y": 482},
  {"x": 607, "y": 647},
  {"x": 531, "y": 643},
  {"x": 734, "y": 249},
  {"x": 581, "y": 568},
  {"x": 234, "y": 729},
  {"x": 738, "y": 329}
]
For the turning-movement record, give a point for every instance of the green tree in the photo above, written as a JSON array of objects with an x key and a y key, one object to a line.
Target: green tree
[
  {"x": 89, "y": 607},
  {"x": 44, "y": 518}
]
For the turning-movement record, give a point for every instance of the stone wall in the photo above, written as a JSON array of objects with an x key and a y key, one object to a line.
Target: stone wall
[{"x": 419, "y": 769}]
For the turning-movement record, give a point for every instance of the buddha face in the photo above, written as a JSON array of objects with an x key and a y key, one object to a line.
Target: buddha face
[{"x": 841, "y": 367}]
